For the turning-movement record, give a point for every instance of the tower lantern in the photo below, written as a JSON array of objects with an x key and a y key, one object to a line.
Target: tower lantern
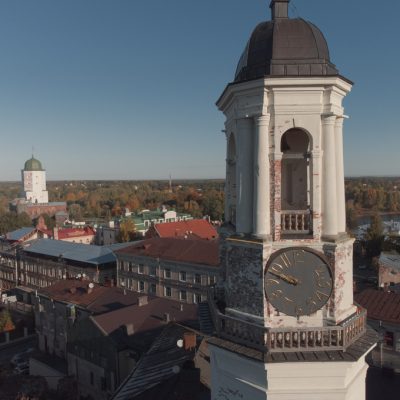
[{"x": 288, "y": 291}]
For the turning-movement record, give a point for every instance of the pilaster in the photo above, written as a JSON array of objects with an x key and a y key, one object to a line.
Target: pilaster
[
  {"x": 341, "y": 201},
  {"x": 261, "y": 215},
  {"x": 329, "y": 194},
  {"x": 244, "y": 176}
]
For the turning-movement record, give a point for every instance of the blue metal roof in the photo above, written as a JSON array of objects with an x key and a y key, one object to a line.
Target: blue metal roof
[
  {"x": 19, "y": 233},
  {"x": 72, "y": 251}
]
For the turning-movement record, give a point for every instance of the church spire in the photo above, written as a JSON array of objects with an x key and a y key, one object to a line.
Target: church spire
[{"x": 279, "y": 9}]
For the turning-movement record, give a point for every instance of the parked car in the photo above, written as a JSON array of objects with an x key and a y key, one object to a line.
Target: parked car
[
  {"x": 22, "y": 356},
  {"x": 22, "y": 368}
]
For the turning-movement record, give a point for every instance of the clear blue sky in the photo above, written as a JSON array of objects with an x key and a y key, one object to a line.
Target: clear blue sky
[{"x": 126, "y": 89}]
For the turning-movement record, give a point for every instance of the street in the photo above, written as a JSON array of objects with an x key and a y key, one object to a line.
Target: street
[{"x": 8, "y": 351}]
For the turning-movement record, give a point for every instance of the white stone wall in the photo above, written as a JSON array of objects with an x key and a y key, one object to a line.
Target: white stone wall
[
  {"x": 237, "y": 377},
  {"x": 34, "y": 184},
  {"x": 311, "y": 104}
]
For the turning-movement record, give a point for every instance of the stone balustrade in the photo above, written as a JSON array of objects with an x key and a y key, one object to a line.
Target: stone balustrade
[
  {"x": 296, "y": 222},
  {"x": 327, "y": 338}
]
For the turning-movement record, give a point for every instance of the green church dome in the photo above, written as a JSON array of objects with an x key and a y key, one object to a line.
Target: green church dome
[{"x": 33, "y": 165}]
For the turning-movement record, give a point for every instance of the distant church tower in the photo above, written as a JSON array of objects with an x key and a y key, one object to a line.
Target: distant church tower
[
  {"x": 286, "y": 324},
  {"x": 34, "y": 182}
]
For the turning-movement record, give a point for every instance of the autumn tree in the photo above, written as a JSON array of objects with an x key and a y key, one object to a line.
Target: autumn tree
[
  {"x": 374, "y": 237},
  {"x": 6, "y": 322},
  {"x": 213, "y": 205},
  {"x": 127, "y": 231}
]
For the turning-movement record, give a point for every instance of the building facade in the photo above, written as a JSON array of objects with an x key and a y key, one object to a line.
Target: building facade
[
  {"x": 104, "y": 349},
  {"x": 383, "y": 315},
  {"x": 43, "y": 262},
  {"x": 68, "y": 302},
  {"x": 179, "y": 269},
  {"x": 389, "y": 269},
  {"x": 288, "y": 291}
]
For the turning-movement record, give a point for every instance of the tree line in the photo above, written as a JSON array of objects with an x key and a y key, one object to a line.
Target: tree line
[{"x": 105, "y": 200}]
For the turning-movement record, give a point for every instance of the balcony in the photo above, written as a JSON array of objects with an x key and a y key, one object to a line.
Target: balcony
[
  {"x": 275, "y": 340},
  {"x": 296, "y": 222}
]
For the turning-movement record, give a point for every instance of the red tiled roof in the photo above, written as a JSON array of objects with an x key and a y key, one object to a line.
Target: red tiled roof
[
  {"x": 380, "y": 305},
  {"x": 183, "y": 250},
  {"x": 66, "y": 233},
  {"x": 195, "y": 228},
  {"x": 148, "y": 316},
  {"x": 101, "y": 299}
]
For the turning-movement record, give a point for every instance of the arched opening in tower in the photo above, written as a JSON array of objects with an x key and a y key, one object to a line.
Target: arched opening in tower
[{"x": 295, "y": 181}]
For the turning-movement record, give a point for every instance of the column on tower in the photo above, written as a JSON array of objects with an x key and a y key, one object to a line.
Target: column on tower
[
  {"x": 230, "y": 184},
  {"x": 261, "y": 213},
  {"x": 340, "y": 175},
  {"x": 244, "y": 176},
  {"x": 329, "y": 181}
]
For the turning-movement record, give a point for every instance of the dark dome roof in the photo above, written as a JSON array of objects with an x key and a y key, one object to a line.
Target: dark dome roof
[
  {"x": 33, "y": 165},
  {"x": 285, "y": 47}
]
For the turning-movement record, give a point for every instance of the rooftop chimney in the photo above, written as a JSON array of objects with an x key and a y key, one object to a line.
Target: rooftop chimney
[
  {"x": 90, "y": 288},
  {"x": 143, "y": 300},
  {"x": 55, "y": 233},
  {"x": 129, "y": 329},
  {"x": 189, "y": 340},
  {"x": 279, "y": 9}
]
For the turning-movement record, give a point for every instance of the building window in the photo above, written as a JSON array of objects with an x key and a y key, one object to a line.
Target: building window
[
  {"x": 388, "y": 338},
  {"x": 197, "y": 278},
  {"x": 167, "y": 291},
  {"x": 91, "y": 378},
  {"x": 141, "y": 269},
  {"x": 141, "y": 286},
  {"x": 183, "y": 295},
  {"x": 197, "y": 298},
  {"x": 152, "y": 271},
  {"x": 211, "y": 280},
  {"x": 167, "y": 273},
  {"x": 103, "y": 383},
  {"x": 153, "y": 288},
  {"x": 182, "y": 276}
]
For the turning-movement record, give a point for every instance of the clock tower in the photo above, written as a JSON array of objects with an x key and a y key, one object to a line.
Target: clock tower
[{"x": 286, "y": 323}]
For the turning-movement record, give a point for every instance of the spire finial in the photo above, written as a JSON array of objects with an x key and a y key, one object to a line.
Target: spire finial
[
  {"x": 279, "y": 9},
  {"x": 33, "y": 151}
]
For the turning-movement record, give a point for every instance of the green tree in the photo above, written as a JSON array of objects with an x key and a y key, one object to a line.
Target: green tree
[
  {"x": 213, "y": 205},
  {"x": 374, "y": 237},
  {"x": 49, "y": 221},
  {"x": 351, "y": 218}
]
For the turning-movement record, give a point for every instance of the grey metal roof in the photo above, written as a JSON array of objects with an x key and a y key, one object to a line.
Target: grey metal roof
[
  {"x": 390, "y": 260},
  {"x": 118, "y": 246},
  {"x": 19, "y": 233},
  {"x": 285, "y": 47},
  {"x": 157, "y": 365},
  {"x": 72, "y": 251}
]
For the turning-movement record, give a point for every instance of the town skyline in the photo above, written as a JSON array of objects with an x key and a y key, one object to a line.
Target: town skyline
[{"x": 101, "y": 99}]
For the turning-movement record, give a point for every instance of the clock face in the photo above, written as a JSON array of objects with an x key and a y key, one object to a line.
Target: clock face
[{"x": 298, "y": 281}]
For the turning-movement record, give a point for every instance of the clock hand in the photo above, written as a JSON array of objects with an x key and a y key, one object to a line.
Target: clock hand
[{"x": 287, "y": 278}]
